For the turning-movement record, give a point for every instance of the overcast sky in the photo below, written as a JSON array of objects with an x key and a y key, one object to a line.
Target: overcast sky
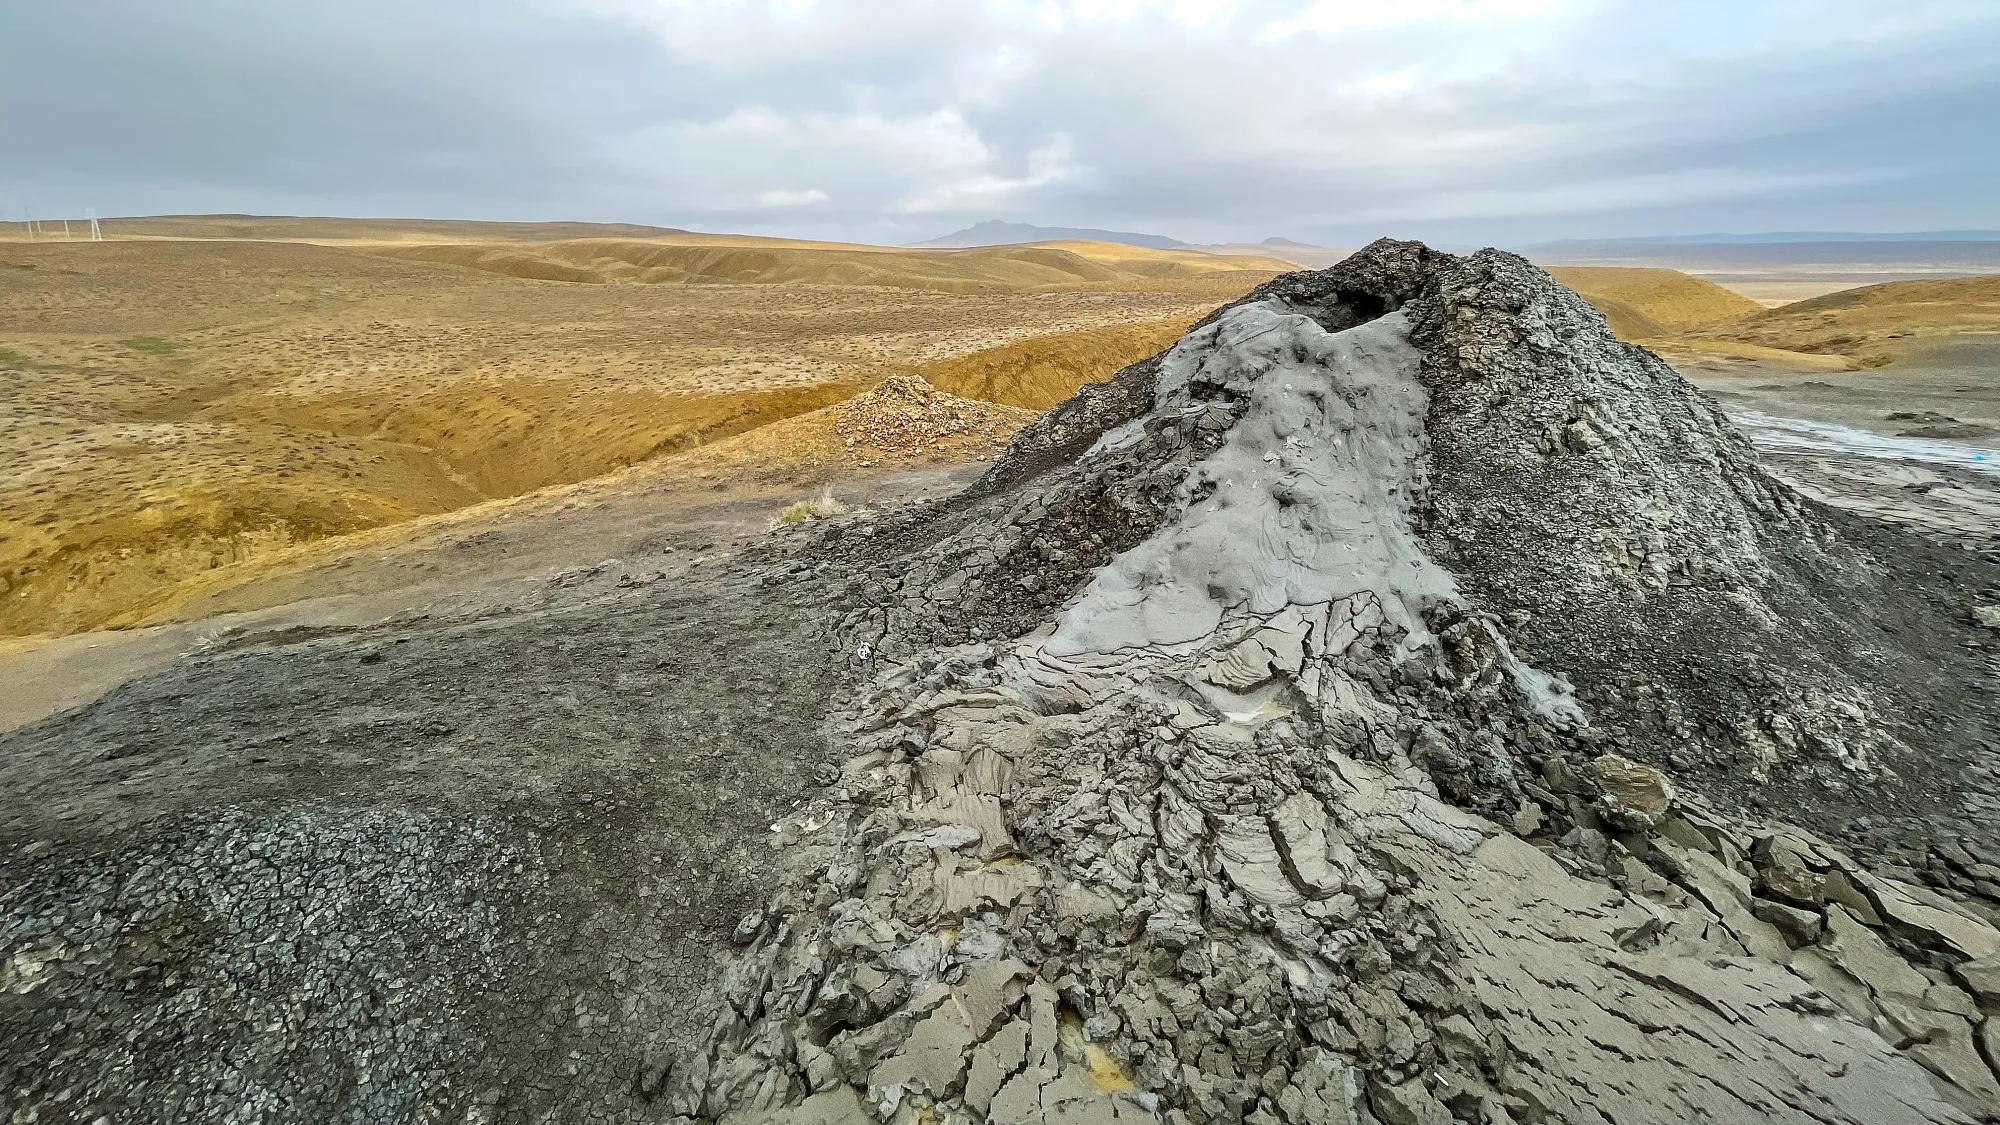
[{"x": 1332, "y": 121}]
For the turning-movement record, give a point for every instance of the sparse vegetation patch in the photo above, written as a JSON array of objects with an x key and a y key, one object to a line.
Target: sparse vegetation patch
[
  {"x": 151, "y": 345},
  {"x": 823, "y": 506}
]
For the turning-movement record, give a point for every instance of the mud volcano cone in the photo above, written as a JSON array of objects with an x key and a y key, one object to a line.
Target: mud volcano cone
[
  {"x": 1398, "y": 703},
  {"x": 1349, "y": 715}
]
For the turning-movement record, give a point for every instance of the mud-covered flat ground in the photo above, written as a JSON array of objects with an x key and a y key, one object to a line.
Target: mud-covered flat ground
[
  {"x": 581, "y": 773},
  {"x": 1956, "y": 377},
  {"x": 1915, "y": 441}
]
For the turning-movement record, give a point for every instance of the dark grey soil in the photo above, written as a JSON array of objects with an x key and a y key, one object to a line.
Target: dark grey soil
[
  {"x": 1910, "y": 633},
  {"x": 493, "y": 860},
  {"x": 1952, "y": 377},
  {"x": 477, "y": 860}
]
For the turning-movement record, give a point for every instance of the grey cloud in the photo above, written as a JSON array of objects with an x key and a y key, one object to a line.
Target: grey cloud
[
  {"x": 1599, "y": 117},
  {"x": 487, "y": 103}
]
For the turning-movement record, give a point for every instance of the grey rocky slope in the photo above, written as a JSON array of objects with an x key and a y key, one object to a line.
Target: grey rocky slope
[{"x": 1388, "y": 705}]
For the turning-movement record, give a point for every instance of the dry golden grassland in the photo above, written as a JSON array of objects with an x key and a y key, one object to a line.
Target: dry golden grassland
[
  {"x": 171, "y": 405},
  {"x": 201, "y": 396},
  {"x": 1651, "y": 304},
  {"x": 1041, "y": 371},
  {"x": 1694, "y": 320},
  {"x": 1875, "y": 323},
  {"x": 998, "y": 269}
]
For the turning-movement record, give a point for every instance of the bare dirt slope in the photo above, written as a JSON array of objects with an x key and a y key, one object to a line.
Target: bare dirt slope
[
  {"x": 1653, "y": 303},
  {"x": 174, "y": 407},
  {"x": 900, "y": 423},
  {"x": 1041, "y": 371},
  {"x": 1401, "y": 701},
  {"x": 1876, "y": 323},
  {"x": 515, "y": 555}
]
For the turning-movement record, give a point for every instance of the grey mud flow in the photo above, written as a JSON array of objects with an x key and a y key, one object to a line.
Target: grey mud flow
[{"x": 1399, "y": 702}]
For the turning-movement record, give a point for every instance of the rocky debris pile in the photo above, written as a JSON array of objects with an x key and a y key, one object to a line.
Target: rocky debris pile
[
  {"x": 1970, "y": 867},
  {"x": 1307, "y": 727},
  {"x": 905, "y": 418}
]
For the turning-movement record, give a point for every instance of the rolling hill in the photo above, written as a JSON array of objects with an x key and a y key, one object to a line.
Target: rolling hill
[
  {"x": 1040, "y": 267},
  {"x": 1650, "y": 303},
  {"x": 1873, "y": 322},
  {"x": 993, "y": 232},
  {"x": 171, "y": 407}
]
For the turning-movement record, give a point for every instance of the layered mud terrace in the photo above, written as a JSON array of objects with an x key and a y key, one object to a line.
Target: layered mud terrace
[{"x": 1398, "y": 702}]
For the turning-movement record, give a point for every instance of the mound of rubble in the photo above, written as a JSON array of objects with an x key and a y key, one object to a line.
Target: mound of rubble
[
  {"x": 905, "y": 418},
  {"x": 1362, "y": 712}
]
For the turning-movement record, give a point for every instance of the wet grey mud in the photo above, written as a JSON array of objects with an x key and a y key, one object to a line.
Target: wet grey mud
[{"x": 1399, "y": 702}]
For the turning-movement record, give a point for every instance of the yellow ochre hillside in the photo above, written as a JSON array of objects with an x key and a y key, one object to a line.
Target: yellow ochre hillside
[
  {"x": 1874, "y": 321},
  {"x": 986, "y": 269},
  {"x": 1645, "y": 303},
  {"x": 209, "y": 392},
  {"x": 1041, "y": 371}
]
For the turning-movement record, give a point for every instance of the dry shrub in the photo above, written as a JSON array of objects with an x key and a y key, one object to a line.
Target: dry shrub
[{"x": 820, "y": 507}]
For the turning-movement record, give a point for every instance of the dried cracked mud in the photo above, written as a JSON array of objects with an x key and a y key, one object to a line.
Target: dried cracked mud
[{"x": 1399, "y": 702}]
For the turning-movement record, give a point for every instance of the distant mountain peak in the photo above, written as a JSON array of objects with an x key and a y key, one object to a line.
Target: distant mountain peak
[{"x": 994, "y": 232}]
